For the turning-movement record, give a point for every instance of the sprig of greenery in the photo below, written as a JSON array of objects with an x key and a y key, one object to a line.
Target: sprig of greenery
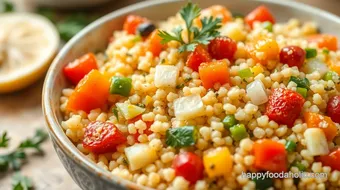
[
  {"x": 20, "y": 182},
  {"x": 4, "y": 140},
  {"x": 18, "y": 156},
  {"x": 196, "y": 36},
  {"x": 6, "y": 6}
]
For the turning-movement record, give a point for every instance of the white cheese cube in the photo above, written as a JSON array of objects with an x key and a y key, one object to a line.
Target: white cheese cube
[
  {"x": 316, "y": 141},
  {"x": 189, "y": 107},
  {"x": 140, "y": 155},
  {"x": 257, "y": 93},
  {"x": 166, "y": 76}
]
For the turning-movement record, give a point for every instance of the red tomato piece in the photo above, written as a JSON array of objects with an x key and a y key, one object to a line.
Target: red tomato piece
[
  {"x": 102, "y": 137},
  {"x": 260, "y": 14},
  {"x": 325, "y": 41},
  {"x": 214, "y": 72},
  {"x": 198, "y": 56},
  {"x": 132, "y": 22},
  {"x": 77, "y": 69},
  {"x": 270, "y": 155},
  {"x": 91, "y": 92},
  {"x": 333, "y": 108},
  {"x": 292, "y": 56},
  {"x": 153, "y": 43},
  {"x": 147, "y": 131},
  {"x": 284, "y": 106},
  {"x": 189, "y": 166},
  {"x": 332, "y": 159},
  {"x": 222, "y": 48}
]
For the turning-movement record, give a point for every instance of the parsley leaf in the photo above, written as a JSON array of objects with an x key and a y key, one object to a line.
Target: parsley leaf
[
  {"x": 35, "y": 142},
  {"x": 303, "y": 83},
  {"x": 4, "y": 140},
  {"x": 20, "y": 182},
  {"x": 188, "y": 79},
  {"x": 181, "y": 136},
  {"x": 195, "y": 35},
  {"x": 115, "y": 112}
]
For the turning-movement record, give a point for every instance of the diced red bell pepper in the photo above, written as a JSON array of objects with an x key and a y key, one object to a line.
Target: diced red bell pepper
[
  {"x": 214, "y": 72},
  {"x": 198, "y": 56},
  {"x": 260, "y": 14},
  {"x": 132, "y": 22},
  {"x": 147, "y": 131},
  {"x": 333, "y": 108},
  {"x": 91, "y": 92},
  {"x": 77, "y": 69},
  {"x": 102, "y": 137},
  {"x": 189, "y": 166},
  {"x": 270, "y": 155},
  {"x": 332, "y": 159},
  {"x": 284, "y": 106}
]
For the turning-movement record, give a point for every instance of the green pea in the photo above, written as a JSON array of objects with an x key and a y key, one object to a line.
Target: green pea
[{"x": 121, "y": 86}]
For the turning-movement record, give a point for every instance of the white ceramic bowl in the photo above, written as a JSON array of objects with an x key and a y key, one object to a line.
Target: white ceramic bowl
[{"x": 95, "y": 37}]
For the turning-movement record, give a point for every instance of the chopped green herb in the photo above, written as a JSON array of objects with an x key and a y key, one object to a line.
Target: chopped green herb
[
  {"x": 35, "y": 142},
  {"x": 179, "y": 86},
  {"x": 121, "y": 86},
  {"x": 238, "y": 132},
  {"x": 20, "y": 182},
  {"x": 141, "y": 105},
  {"x": 329, "y": 75},
  {"x": 229, "y": 121},
  {"x": 203, "y": 35},
  {"x": 329, "y": 88},
  {"x": 303, "y": 83},
  {"x": 181, "y": 136},
  {"x": 6, "y": 6},
  {"x": 244, "y": 80},
  {"x": 125, "y": 162},
  {"x": 268, "y": 26},
  {"x": 299, "y": 165},
  {"x": 4, "y": 140},
  {"x": 115, "y": 112},
  {"x": 325, "y": 51},
  {"x": 48, "y": 13},
  {"x": 245, "y": 73},
  {"x": 263, "y": 183},
  {"x": 302, "y": 91},
  {"x": 188, "y": 79},
  {"x": 290, "y": 146},
  {"x": 310, "y": 53}
]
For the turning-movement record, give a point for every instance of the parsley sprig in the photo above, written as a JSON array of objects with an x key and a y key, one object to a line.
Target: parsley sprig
[
  {"x": 20, "y": 182},
  {"x": 17, "y": 157},
  {"x": 196, "y": 35},
  {"x": 4, "y": 140}
]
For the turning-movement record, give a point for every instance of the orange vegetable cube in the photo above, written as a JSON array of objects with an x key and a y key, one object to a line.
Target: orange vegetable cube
[
  {"x": 216, "y": 11},
  {"x": 325, "y": 41},
  {"x": 315, "y": 120},
  {"x": 154, "y": 44},
  {"x": 264, "y": 50},
  {"x": 91, "y": 92},
  {"x": 214, "y": 72}
]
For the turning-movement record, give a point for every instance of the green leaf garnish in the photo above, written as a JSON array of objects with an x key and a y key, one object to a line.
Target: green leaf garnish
[
  {"x": 115, "y": 112},
  {"x": 20, "y": 182},
  {"x": 181, "y": 136},
  {"x": 303, "y": 83},
  {"x": 4, "y": 140},
  {"x": 195, "y": 35}
]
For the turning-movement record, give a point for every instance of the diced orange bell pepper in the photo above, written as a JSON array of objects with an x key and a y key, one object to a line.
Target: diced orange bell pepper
[
  {"x": 325, "y": 41},
  {"x": 315, "y": 120},
  {"x": 332, "y": 159},
  {"x": 153, "y": 43},
  {"x": 91, "y": 92},
  {"x": 264, "y": 50},
  {"x": 270, "y": 155},
  {"x": 214, "y": 72},
  {"x": 334, "y": 66},
  {"x": 260, "y": 14}
]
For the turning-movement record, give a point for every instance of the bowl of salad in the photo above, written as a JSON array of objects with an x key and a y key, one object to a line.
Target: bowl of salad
[{"x": 206, "y": 95}]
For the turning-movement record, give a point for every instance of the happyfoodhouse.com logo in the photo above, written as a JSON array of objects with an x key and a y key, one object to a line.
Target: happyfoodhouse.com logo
[{"x": 289, "y": 174}]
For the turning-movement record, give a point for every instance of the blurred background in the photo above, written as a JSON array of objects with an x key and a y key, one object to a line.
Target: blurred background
[{"x": 20, "y": 111}]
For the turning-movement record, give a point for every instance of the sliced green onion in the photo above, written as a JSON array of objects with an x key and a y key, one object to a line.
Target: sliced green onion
[
  {"x": 303, "y": 83},
  {"x": 121, "y": 86},
  {"x": 310, "y": 53},
  {"x": 245, "y": 73},
  {"x": 263, "y": 183},
  {"x": 290, "y": 146},
  {"x": 325, "y": 51},
  {"x": 302, "y": 91},
  {"x": 229, "y": 121},
  {"x": 238, "y": 132},
  {"x": 329, "y": 75},
  {"x": 268, "y": 26},
  {"x": 300, "y": 166}
]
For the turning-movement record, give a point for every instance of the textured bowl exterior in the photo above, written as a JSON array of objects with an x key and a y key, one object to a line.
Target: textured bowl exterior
[{"x": 95, "y": 37}]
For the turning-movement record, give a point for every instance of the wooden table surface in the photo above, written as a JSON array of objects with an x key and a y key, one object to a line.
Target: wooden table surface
[{"x": 21, "y": 114}]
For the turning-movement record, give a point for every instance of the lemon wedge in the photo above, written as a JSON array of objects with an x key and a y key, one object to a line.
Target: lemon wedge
[{"x": 28, "y": 43}]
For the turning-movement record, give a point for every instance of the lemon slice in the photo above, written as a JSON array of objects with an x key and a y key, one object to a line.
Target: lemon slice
[{"x": 28, "y": 43}]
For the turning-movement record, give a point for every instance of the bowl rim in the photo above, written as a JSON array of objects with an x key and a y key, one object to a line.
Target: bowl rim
[{"x": 55, "y": 128}]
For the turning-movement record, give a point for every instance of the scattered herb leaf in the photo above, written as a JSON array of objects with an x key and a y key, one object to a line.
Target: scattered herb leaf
[
  {"x": 325, "y": 51},
  {"x": 179, "y": 86},
  {"x": 188, "y": 79},
  {"x": 125, "y": 162},
  {"x": 181, "y": 136},
  {"x": 20, "y": 182},
  {"x": 115, "y": 112},
  {"x": 303, "y": 83},
  {"x": 4, "y": 140},
  {"x": 6, "y": 6}
]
